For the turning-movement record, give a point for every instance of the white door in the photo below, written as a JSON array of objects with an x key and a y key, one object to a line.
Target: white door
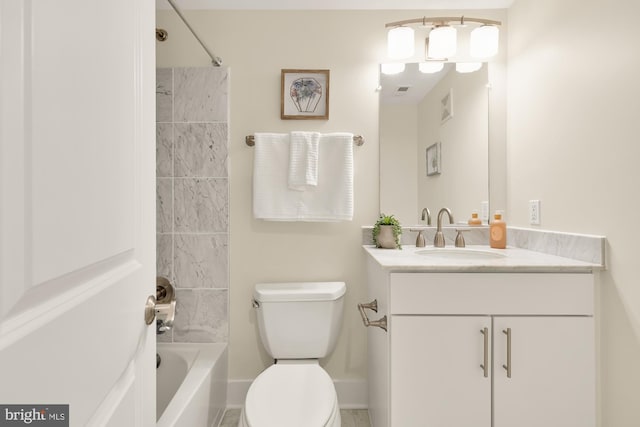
[
  {"x": 552, "y": 365},
  {"x": 436, "y": 373},
  {"x": 77, "y": 220}
]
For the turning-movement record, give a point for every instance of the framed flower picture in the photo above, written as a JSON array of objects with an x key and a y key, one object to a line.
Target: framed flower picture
[{"x": 305, "y": 95}]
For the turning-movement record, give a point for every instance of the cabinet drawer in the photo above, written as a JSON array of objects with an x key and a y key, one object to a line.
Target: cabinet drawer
[{"x": 491, "y": 293}]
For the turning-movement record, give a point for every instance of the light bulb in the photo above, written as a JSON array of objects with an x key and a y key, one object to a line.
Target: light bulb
[
  {"x": 442, "y": 42},
  {"x": 484, "y": 41},
  {"x": 400, "y": 43}
]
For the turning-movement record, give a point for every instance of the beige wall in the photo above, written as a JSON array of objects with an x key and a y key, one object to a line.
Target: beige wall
[
  {"x": 399, "y": 169},
  {"x": 573, "y": 126}
]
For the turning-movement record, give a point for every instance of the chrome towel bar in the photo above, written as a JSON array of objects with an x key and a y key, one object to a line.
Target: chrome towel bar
[{"x": 251, "y": 140}]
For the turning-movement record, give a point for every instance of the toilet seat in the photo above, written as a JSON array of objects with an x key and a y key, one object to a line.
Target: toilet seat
[{"x": 292, "y": 395}]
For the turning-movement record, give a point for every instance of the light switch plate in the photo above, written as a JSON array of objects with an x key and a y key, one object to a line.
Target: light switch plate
[{"x": 534, "y": 212}]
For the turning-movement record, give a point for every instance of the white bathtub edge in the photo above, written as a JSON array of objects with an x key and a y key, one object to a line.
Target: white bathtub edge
[
  {"x": 210, "y": 365},
  {"x": 352, "y": 394}
]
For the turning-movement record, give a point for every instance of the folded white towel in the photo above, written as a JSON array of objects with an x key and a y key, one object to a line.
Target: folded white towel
[
  {"x": 330, "y": 200},
  {"x": 271, "y": 195},
  {"x": 303, "y": 160}
]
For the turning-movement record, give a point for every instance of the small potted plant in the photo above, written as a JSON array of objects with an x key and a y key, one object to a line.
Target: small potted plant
[{"x": 386, "y": 232}]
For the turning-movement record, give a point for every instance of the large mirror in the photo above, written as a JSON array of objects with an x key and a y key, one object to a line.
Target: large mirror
[{"x": 434, "y": 143}]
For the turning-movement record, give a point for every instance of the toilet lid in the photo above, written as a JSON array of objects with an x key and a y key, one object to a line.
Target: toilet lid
[{"x": 290, "y": 396}]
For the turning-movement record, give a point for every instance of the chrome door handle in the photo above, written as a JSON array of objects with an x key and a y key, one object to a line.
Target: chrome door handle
[
  {"x": 507, "y": 332},
  {"x": 373, "y": 305},
  {"x": 485, "y": 364},
  {"x": 150, "y": 310}
]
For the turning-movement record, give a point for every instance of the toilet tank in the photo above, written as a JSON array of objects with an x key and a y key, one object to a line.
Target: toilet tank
[{"x": 299, "y": 320}]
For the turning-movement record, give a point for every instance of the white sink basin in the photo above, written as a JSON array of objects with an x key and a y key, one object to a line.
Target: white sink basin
[{"x": 460, "y": 253}]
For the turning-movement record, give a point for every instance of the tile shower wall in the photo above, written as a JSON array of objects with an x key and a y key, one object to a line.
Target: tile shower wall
[{"x": 192, "y": 206}]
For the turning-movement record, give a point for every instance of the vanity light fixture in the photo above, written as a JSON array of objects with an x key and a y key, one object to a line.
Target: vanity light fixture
[
  {"x": 400, "y": 43},
  {"x": 443, "y": 40},
  {"x": 443, "y": 37},
  {"x": 484, "y": 41}
]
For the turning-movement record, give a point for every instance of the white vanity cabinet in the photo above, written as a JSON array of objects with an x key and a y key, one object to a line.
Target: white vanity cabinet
[{"x": 451, "y": 337}]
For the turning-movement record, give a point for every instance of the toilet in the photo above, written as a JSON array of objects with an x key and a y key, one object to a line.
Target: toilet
[{"x": 299, "y": 324}]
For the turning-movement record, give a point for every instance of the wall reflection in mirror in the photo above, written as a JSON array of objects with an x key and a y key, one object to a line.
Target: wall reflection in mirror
[{"x": 417, "y": 111}]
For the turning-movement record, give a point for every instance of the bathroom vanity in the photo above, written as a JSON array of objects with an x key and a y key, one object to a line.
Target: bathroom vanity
[{"x": 473, "y": 340}]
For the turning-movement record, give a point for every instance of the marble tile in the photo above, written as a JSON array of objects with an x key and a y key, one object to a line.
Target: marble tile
[
  {"x": 164, "y": 94},
  {"x": 581, "y": 247},
  {"x": 201, "y": 205},
  {"x": 164, "y": 205},
  {"x": 473, "y": 236},
  {"x": 201, "y": 261},
  {"x": 164, "y": 256},
  {"x": 200, "y": 94},
  {"x": 201, "y": 150},
  {"x": 164, "y": 150},
  {"x": 201, "y": 316}
]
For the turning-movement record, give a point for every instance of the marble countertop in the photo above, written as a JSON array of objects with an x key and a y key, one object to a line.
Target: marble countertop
[{"x": 514, "y": 260}]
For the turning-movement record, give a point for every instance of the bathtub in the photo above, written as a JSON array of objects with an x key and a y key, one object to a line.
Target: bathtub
[{"x": 191, "y": 384}]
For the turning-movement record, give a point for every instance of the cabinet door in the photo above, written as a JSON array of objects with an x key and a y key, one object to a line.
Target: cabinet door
[
  {"x": 436, "y": 377},
  {"x": 552, "y": 380}
]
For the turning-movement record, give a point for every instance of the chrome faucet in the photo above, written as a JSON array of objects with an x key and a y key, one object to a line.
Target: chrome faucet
[
  {"x": 420, "y": 241},
  {"x": 426, "y": 212},
  {"x": 438, "y": 241}
]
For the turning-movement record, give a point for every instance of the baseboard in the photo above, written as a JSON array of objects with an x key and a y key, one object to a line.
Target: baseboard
[
  {"x": 352, "y": 394},
  {"x": 236, "y": 392}
]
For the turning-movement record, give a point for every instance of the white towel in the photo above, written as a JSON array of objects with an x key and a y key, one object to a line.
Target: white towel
[
  {"x": 303, "y": 160},
  {"x": 271, "y": 195},
  {"x": 332, "y": 198}
]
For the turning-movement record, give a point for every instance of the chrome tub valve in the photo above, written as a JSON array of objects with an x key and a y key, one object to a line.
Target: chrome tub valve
[{"x": 162, "y": 307}]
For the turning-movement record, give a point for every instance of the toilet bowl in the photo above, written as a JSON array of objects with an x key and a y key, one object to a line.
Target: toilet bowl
[
  {"x": 298, "y": 324},
  {"x": 291, "y": 395}
]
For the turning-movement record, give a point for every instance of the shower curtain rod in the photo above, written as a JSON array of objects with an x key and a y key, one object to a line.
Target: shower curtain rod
[{"x": 216, "y": 60}]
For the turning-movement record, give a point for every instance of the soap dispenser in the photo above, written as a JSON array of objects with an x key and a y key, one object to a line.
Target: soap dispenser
[
  {"x": 498, "y": 232},
  {"x": 474, "y": 220}
]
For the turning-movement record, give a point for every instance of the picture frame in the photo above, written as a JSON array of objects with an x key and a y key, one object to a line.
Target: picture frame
[
  {"x": 446, "y": 107},
  {"x": 433, "y": 159},
  {"x": 304, "y": 94}
]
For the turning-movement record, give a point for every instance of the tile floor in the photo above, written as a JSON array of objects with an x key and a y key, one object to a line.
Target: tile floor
[{"x": 350, "y": 418}]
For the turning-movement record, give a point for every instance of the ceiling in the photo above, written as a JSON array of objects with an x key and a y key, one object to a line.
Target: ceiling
[
  {"x": 337, "y": 4},
  {"x": 410, "y": 86}
]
